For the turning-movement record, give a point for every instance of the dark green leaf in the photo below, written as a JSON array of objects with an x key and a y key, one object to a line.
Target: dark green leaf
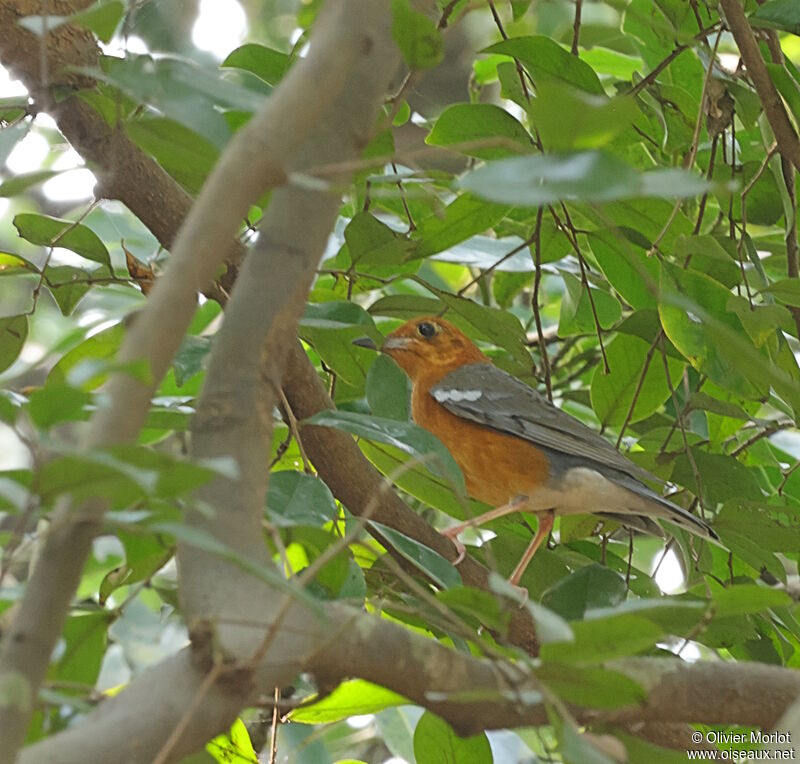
[
  {"x": 591, "y": 687},
  {"x": 577, "y": 314},
  {"x": 267, "y": 64},
  {"x": 13, "y": 333},
  {"x": 372, "y": 243},
  {"x": 416, "y": 35},
  {"x": 778, "y": 14},
  {"x": 295, "y": 498},
  {"x": 593, "y": 586},
  {"x": 182, "y": 152},
  {"x": 544, "y": 59},
  {"x": 602, "y": 639},
  {"x": 613, "y": 394},
  {"x": 388, "y": 390},
  {"x": 491, "y": 131},
  {"x": 52, "y": 232},
  {"x": 572, "y": 120},
  {"x": 56, "y": 403},
  {"x": 409, "y": 438},
  {"x": 190, "y": 357},
  {"x": 436, "y": 743},
  {"x": 431, "y": 563},
  {"x": 590, "y": 176},
  {"x": 464, "y": 217}
]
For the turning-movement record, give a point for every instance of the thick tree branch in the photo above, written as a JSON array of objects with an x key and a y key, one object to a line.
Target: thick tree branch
[
  {"x": 241, "y": 176},
  {"x": 471, "y": 694},
  {"x": 788, "y": 142},
  {"x": 115, "y": 159},
  {"x": 234, "y": 414}
]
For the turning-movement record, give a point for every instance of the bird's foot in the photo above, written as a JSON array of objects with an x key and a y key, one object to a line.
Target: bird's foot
[
  {"x": 452, "y": 534},
  {"x": 521, "y": 591}
]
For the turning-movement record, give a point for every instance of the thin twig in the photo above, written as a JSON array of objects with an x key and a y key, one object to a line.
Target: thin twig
[
  {"x": 576, "y": 27},
  {"x": 273, "y": 737},
  {"x": 651, "y": 76},
  {"x": 537, "y": 281},
  {"x": 495, "y": 265},
  {"x": 295, "y": 430},
  {"x": 692, "y": 155},
  {"x": 637, "y": 392},
  {"x": 771, "y": 102}
]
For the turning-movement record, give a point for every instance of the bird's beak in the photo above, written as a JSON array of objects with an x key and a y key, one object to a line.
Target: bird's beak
[
  {"x": 365, "y": 342},
  {"x": 395, "y": 343},
  {"x": 390, "y": 343}
]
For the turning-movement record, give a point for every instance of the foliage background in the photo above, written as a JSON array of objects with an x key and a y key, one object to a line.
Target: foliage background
[{"x": 607, "y": 213}]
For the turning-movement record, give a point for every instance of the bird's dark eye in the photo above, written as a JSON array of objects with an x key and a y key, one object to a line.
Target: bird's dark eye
[{"x": 426, "y": 329}]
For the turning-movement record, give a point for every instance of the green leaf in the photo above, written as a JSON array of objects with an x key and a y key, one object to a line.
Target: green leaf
[
  {"x": 778, "y": 14},
  {"x": 498, "y": 326},
  {"x": 95, "y": 475},
  {"x": 266, "y": 63},
  {"x": 462, "y": 218},
  {"x": 233, "y": 748},
  {"x": 294, "y": 498},
  {"x": 436, "y": 743},
  {"x": 590, "y": 176},
  {"x": 568, "y": 119},
  {"x": 99, "y": 347},
  {"x": 190, "y": 357},
  {"x": 52, "y": 232},
  {"x": 13, "y": 333},
  {"x": 745, "y": 599},
  {"x": 431, "y": 563},
  {"x": 786, "y": 291},
  {"x": 602, "y": 639},
  {"x": 419, "y": 40},
  {"x": 613, "y": 394},
  {"x": 351, "y": 698},
  {"x": 686, "y": 295},
  {"x": 84, "y": 638},
  {"x": 627, "y": 267},
  {"x": 388, "y": 390},
  {"x": 480, "y": 607},
  {"x": 331, "y": 328},
  {"x": 68, "y": 285},
  {"x": 576, "y": 315},
  {"x": 182, "y": 152},
  {"x": 182, "y": 90},
  {"x": 709, "y": 255},
  {"x": 544, "y": 59},
  {"x": 102, "y": 18},
  {"x": 21, "y": 183},
  {"x": 592, "y": 586},
  {"x": 591, "y": 687},
  {"x": 372, "y": 243},
  {"x": 406, "y": 436},
  {"x": 55, "y": 403},
  {"x": 419, "y": 482},
  {"x": 493, "y": 130}
]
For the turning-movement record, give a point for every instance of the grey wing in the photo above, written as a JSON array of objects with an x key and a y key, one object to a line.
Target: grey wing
[{"x": 487, "y": 395}]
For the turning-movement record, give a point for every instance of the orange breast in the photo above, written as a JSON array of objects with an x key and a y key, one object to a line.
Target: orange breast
[{"x": 497, "y": 467}]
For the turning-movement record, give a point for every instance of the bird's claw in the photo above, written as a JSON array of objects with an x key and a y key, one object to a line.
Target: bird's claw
[
  {"x": 452, "y": 534},
  {"x": 523, "y": 593}
]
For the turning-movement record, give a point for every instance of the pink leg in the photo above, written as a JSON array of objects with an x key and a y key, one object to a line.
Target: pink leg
[
  {"x": 506, "y": 509},
  {"x": 545, "y": 526}
]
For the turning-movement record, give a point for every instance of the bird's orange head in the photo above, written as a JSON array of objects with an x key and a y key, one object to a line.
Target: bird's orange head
[{"x": 430, "y": 347}]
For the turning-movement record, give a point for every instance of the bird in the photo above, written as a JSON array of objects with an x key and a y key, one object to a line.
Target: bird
[{"x": 516, "y": 450}]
